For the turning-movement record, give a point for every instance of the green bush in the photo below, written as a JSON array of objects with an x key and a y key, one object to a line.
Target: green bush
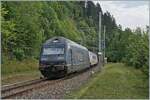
[
  {"x": 19, "y": 54},
  {"x": 14, "y": 66}
]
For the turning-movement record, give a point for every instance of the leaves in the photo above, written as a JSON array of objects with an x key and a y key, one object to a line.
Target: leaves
[{"x": 26, "y": 25}]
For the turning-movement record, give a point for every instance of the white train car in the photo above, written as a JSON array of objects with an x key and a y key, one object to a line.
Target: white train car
[{"x": 93, "y": 58}]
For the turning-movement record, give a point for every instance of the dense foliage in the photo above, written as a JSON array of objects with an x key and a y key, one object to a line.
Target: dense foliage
[
  {"x": 137, "y": 50},
  {"x": 26, "y": 25}
]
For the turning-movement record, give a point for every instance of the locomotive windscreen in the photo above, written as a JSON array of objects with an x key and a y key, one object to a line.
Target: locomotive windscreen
[{"x": 52, "y": 50}]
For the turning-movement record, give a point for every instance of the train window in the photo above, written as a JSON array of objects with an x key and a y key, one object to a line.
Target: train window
[{"x": 49, "y": 51}]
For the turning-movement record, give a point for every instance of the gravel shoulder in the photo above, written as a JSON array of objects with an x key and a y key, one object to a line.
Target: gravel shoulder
[{"x": 60, "y": 89}]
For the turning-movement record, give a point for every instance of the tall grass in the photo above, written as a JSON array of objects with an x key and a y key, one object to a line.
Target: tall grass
[
  {"x": 116, "y": 81},
  {"x": 10, "y": 67}
]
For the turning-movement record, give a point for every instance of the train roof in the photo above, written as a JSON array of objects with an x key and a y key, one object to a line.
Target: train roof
[{"x": 64, "y": 40}]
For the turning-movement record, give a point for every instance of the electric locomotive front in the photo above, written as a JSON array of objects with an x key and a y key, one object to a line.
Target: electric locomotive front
[{"x": 52, "y": 58}]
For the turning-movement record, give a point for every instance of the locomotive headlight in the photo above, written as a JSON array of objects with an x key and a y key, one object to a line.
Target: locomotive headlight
[{"x": 43, "y": 59}]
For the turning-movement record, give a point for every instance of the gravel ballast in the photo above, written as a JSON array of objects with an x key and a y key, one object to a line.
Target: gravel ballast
[{"x": 59, "y": 89}]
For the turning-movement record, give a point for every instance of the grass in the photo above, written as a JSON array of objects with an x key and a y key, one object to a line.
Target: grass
[
  {"x": 116, "y": 81},
  {"x": 20, "y": 77},
  {"x": 14, "y": 67},
  {"x": 16, "y": 71}
]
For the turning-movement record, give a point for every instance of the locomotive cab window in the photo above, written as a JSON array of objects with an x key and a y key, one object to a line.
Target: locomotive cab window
[{"x": 50, "y": 51}]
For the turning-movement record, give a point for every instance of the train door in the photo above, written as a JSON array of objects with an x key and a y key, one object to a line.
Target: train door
[
  {"x": 69, "y": 60},
  {"x": 75, "y": 59}
]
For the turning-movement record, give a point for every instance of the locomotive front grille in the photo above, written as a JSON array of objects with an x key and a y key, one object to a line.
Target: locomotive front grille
[{"x": 52, "y": 68}]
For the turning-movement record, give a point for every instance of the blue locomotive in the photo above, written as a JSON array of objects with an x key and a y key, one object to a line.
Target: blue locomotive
[{"x": 60, "y": 56}]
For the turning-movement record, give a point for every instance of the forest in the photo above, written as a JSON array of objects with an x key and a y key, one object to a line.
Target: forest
[{"x": 26, "y": 25}]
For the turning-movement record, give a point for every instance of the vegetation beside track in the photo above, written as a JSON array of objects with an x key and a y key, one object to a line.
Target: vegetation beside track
[
  {"x": 26, "y": 25},
  {"x": 115, "y": 81},
  {"x": 23, "y": 35},
  {"x": 15, "y": 66},
  {"x": 15, "y": 71}
]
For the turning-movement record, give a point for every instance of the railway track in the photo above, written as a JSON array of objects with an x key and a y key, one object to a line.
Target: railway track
[
  {"x": 14, "y": 90},
  {"x": 17, "y": 88}
]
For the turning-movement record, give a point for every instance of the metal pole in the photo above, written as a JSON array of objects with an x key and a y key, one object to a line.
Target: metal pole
[
  {"x": 99, "y": 35},
  {"x": 104, "y": 40},
  {"x": 149, "y": 40},
  {"x": 104, "y": 43},
  {"x": 99, "y": 31}
]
